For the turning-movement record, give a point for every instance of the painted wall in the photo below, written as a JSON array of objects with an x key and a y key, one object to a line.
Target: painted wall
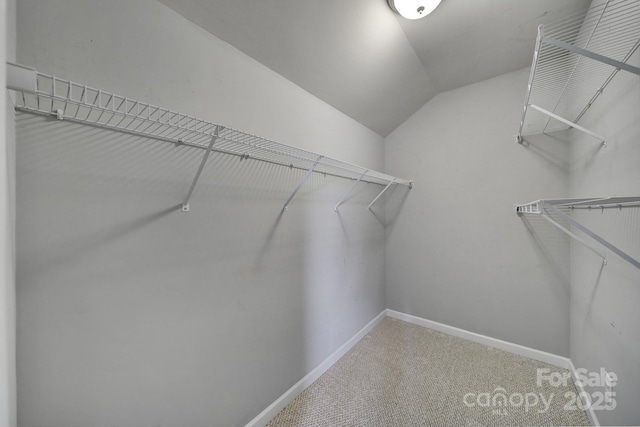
[
  {"x": 131, "y": 312},
  {"x": 457, "y": 252},
  {"x": 7, "y": 224},
  {"x": 604, "y": 299}
]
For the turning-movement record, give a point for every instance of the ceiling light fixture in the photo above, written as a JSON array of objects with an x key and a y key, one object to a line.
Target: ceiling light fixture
[{"x": 413, "y": 9}]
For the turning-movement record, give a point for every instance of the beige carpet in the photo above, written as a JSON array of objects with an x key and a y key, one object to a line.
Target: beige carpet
[{"x": 401, "y": 374}]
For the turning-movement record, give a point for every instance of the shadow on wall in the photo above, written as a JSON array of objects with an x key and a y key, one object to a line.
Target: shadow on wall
[
  {"x": 388, "y": 210},
  {"x": 553, "y": 148},
  {"x": 552, "y": 247},
  {"x": 157, "y": 167},
  {"x": 109, "y": 265}
]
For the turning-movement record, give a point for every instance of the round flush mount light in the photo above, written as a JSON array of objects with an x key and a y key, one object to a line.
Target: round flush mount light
[{"x": 413, "y": 9}]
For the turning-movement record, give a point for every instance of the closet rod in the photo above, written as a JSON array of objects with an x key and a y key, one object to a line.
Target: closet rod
[
  {"x": 200, "y": 147},
  {"x": 540, "y": 207},
  {"x": 50, "y": 95}
]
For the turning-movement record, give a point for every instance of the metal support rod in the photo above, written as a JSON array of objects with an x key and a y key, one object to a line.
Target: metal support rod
[
  {"x": 575, "y": 66},
  {"x": 532, "y": 75},
  {"x": 578, "y": 239},
  {"x": 606, "y": 83},
  {"x": 350, "y": 190},
  {"x": 185, "y": 204},
  {"x": 381, "y": 193},
  {"x": 569, "y": 123},
  {"x": 594, "y": 236},
  {"x": 592, "y": 55},
  {"x": 301, "y": 183}
]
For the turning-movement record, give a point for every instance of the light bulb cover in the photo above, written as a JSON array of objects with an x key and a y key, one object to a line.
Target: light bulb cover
[{"x": 413, "y": 9}]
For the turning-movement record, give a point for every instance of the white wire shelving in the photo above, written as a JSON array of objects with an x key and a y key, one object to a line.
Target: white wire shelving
[
  {"x": 49, "y": 95},
  {"x": 559, "y": 208},
  {"x": 573, "y": 62}
]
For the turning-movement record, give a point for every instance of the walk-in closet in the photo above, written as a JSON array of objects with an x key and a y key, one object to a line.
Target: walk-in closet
[{"x": 319, "y": 213}]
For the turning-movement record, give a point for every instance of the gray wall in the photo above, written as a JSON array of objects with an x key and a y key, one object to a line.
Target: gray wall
[
  {"x": 131, "y": 312},
  {"x": 604, "y": 300},
  {"x": 7, "y": 224},
  {"x": 457, "y": 252}
]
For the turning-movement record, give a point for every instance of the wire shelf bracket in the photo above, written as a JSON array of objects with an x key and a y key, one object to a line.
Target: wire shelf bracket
[
  {"x": 573, "y": 62},
  {"x": 44, "y": 94},
  {"x": 379, "y": 195},
  {"x": 545, "y": 207},
  {"x": 185, "y": 204},
  {"x": 301, "y": 183},
  {"x": 350, "y": 190}
]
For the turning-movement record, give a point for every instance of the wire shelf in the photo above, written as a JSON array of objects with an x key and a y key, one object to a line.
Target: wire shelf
[
  {"x": 550, "y": 209},
  {"x": 583, "y": 203},
  {"x": 574, "y": 61},
  {"x": 80, "y": 103}
]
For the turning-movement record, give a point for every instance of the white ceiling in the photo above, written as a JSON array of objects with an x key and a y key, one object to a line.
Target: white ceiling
[{"x": 371, "y": 64}]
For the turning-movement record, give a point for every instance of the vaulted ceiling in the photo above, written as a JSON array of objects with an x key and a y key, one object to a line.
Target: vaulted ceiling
[{"x": 368, "y": 62}]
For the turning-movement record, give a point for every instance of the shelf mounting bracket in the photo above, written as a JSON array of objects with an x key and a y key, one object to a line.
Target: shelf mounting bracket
[
  {"x": 532, "y": 75},
  {"x": 576, "y": 238},
  {"x": 593, "y": 235},
  {"x": 301, "y": 183},
  {"x": 214, "y": 137},
  {"x": 381, "y": 193},
  {"x": 569, "y": 123},
  {"x": 350, "y": 190}
]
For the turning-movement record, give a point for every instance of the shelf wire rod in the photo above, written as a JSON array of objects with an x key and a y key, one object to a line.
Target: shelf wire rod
[
  {"x": 576, "y": 22},
  {"x": 579, "y": 22},
  {"x": 64, "y": 108},
  {"x": 594, "y": 236},
  {"x": 301, "y": 183},
  {"x": 619, "y": 50},
  {"x": 608, "y": 33},
  {"x": 119, "y": 124},
  {"x": 579, "y": 19},
  {"x": 201, "y": 147},
  {"x": 611, "y": 205},
  {"x": 532, "y": 75},
  {"x": 564, "y": 89},
  {"x": 585, "y": 82},
  {"x": 150, "y": 120},
  {"x": 574, "y": 236},
  {"x": 581, "y": 201},
  {"x": 125, "y": 115},
  {"x": 185, "y": 203},
  {"x": 104, "y": 109},
  {"x": 606, "y": 83},
  {"x": 559, "y": 69},
  {"x": 576, "y": 17},
  {"x": 591, "y": 70},
  {"x": 619, "y": 53},
  {"x": 276, "y": 152},
  {"x": 612, "y": 26},
  {"x": 91, "y": 106},
  {"x": 353, "y": 186},
  {"x": 593, "y": 55}
]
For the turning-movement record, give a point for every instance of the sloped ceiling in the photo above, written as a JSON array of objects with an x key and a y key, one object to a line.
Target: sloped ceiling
[{"x": 371, "y": 64}]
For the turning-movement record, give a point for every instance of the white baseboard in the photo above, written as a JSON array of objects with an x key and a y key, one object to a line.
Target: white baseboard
[
  {"x": 590, "y": 412},
  {"x": 272, "y": 410},
  {"x": 541, "y": 356}
]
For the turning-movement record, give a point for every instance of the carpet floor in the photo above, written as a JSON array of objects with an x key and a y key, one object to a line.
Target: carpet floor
[{"x": 401, "y": 374}]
